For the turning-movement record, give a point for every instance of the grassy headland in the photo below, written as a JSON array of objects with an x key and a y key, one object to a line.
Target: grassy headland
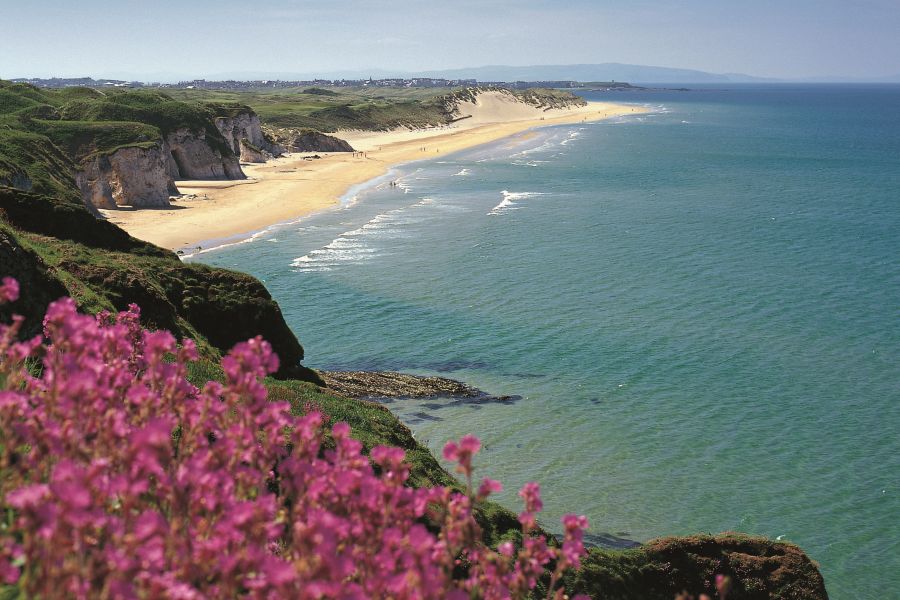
[{"x": 370, "y": 109}]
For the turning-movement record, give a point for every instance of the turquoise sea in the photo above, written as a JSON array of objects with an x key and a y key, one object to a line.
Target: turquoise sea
[{"x": 699, "y": 307}]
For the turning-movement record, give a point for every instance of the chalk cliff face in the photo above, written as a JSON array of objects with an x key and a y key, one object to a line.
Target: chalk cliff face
[
  {"x": 145, "y": 177},
  {"x": 193, "y": 156},
  {"x": 244, "y": 126},
  {"x": 133, "y": 176},
  {"x": 253, "y": 154},
  {"x": 244, "y": 135}
]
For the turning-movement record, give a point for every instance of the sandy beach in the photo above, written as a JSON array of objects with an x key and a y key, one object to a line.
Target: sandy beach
[{"x": 297, "y": 185}]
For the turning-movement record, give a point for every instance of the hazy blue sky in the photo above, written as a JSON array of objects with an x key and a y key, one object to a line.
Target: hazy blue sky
[{"x": 779, "y": 38}]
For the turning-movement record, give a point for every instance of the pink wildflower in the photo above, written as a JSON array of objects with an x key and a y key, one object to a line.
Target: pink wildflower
[
  {"x": 9, "y": 290},
  {"x": 161, "y": 489}
]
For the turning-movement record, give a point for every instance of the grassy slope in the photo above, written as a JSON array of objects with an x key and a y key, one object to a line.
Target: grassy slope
[
  {"x": 102, "y": 267},
  {"x": 330, "y": 109},
  {"x": 334, "y": 108},
  {"x": 45, "y": 133}
]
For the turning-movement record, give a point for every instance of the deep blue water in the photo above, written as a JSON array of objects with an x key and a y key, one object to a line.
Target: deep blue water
[{"x": 699, "y": 308}]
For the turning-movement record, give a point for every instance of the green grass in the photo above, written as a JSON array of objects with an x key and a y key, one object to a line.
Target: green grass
[
  {"x": 82, "y": 122},
  {"x": 330, "y": 109},
  {"x": 82, "y": 139},
  {"x": 103, "y": 268},
  {"x": 33, "y": 156}
]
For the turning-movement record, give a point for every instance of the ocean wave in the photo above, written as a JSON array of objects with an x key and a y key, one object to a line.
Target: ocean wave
[
  {"x": 192, "y": 251},
  {"x": 505, "y": 204},
  {"x": 509, "y": 201},
  {"x": 354, "y": 246},
  {"x": 530, "y": 163},
  {"x": 463, "y": 173},
  {"x": 572, "y": 135}
]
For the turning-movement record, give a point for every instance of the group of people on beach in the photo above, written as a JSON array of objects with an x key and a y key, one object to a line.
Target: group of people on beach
[{"x": 360, "y": 155}]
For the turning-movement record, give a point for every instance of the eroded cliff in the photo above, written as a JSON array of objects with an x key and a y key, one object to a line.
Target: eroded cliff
[
  {"x": 195, "y": 155},
  {"x": 244, "y": 135},
  {"x": 310, "y": 140},
  {"x": 133, "y": 176}
]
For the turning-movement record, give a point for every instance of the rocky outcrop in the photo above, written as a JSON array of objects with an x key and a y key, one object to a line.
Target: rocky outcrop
[
  {"x": 195, "y": 156},
  {"x": 144, "y": 176},
  {"x": 759, "y": 569},
  {"x": 306, "y": 140},
  {"x": 244, "y": 135},
  {"x": 253, "y": 154},
  {"x": 388, "y": 384},
  {"x": 244, "y": 126},
  {"x": 134, "y": 176},
  {"x": 314, "y": 141}
]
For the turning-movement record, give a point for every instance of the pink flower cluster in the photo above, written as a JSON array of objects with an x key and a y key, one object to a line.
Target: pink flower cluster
[{"x": 120, "y": 479}]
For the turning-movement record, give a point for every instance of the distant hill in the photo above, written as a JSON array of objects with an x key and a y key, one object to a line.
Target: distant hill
[
  {"x": 573, "y": 72},
  {"x": 596, "y": 72},
  {"x": 570, "y": 72}
]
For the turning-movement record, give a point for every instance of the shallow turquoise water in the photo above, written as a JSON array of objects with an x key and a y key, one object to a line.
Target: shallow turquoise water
[{"x": 699, "y": 308}]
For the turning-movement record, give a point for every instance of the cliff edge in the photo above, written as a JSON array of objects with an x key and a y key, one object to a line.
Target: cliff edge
[{"x": 121, "y": 148}]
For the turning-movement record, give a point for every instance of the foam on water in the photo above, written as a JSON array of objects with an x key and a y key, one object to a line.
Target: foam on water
[
  {"x": 509, "y": 201},
  {"x": 360, "y": 244}
]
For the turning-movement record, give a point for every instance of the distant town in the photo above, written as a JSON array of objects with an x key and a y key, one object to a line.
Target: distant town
[{"x": 261, "y": 84}]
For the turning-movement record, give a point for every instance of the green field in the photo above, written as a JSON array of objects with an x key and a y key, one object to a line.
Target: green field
[{"x": 334, "y": 108}]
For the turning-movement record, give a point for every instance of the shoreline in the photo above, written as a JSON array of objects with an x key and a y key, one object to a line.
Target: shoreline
[{"x": 298, "y": 185}]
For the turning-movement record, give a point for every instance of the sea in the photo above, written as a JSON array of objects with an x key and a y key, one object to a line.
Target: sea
[{"x": 694, "y": 313}]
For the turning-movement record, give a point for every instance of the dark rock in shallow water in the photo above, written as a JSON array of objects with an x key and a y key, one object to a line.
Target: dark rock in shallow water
[
  {"x": 474, "y": 402},
  {"x": 609, "y": 540},
  {"x": 386, "y": 384},
  {"x": 423, "y": 416}
]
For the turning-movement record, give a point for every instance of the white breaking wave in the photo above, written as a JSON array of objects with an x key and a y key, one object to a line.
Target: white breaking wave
[
  {"x": 353, "y": 247},
  {"x": 571, "y": 137},
  {"x": 505, "y": 205},
  {"x": 520, "y": 195},
  {"x": 462, "y": 173},
  {"x": 509, "y": 201}
]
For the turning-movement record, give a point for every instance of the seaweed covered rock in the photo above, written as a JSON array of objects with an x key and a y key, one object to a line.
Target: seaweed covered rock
[{"x": 759, "y": 569}]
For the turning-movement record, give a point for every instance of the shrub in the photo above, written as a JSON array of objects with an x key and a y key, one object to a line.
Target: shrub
[{"x": 120, "y": 479}]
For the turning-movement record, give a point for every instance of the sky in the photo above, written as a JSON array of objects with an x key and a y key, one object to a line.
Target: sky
[{"x": 792, "y": 39}]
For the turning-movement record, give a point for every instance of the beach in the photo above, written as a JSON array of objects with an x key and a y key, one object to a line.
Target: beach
[{"x": 296, "y": 185}]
